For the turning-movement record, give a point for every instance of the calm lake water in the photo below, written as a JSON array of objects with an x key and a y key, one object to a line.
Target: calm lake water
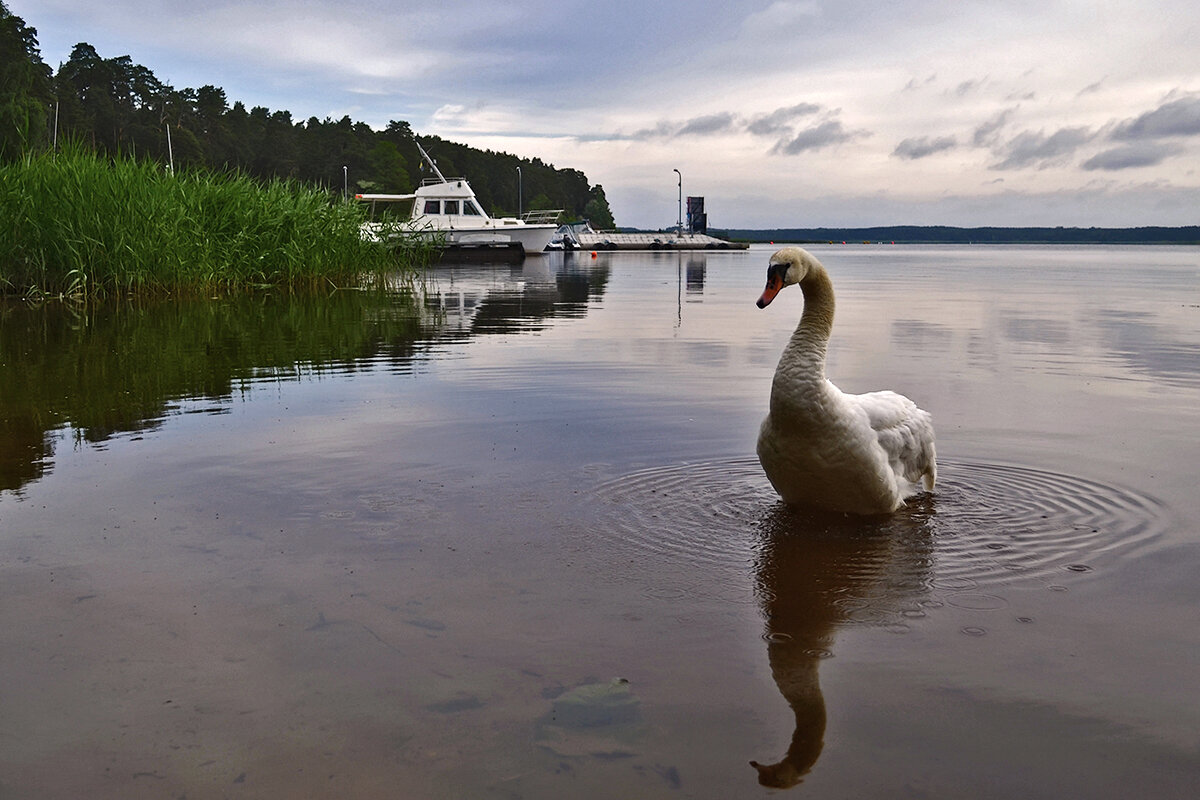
[{"x": 502, "y": 534}]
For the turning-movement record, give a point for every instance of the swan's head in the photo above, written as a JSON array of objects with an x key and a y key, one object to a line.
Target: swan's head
[
  {"x": 786, "y": 267},
  {"x": 778, "y": 776}
]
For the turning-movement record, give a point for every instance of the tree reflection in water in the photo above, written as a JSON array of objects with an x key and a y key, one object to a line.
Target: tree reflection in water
[{"x": 124, "y": 366}]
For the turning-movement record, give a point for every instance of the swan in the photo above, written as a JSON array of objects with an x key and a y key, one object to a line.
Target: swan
[{"x": 821, "y": 447}]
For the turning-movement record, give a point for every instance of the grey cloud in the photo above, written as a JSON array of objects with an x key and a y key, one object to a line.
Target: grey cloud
[
  {"x": 966, "y": 87},
  {"x": 914, "y": 84},
  {"x": 775, "y": 123},
  {"x": 923, "y": 146},
  {"x": 985, "y": 134},
  {"x": 662, "y": 129},
  {"x": 1176, "y": 118},
  {"x": 697, "y": 126},
  {"x": 827, "y": 133},
  {"x": 712, "y": 123},
  {"x": 779, "y": 120},
  {"x": 1031, "y": 148},
  {"x": 1138, "y": 154}
]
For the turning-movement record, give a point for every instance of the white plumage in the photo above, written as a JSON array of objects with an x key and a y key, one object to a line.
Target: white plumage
[{"x": 821, "y": 447}]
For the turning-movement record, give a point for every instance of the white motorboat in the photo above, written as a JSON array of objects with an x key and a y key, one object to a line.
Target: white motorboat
[{"x": 446, "y": 212}]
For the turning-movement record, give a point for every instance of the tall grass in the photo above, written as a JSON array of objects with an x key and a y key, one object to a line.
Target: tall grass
[{"x": 74, "y": 223}]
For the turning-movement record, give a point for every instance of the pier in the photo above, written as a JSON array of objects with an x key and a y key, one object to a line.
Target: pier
[{"x": 588, "y": 239}]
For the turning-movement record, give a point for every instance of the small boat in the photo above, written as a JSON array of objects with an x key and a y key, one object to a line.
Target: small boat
[{"x": 446, "y": 212}]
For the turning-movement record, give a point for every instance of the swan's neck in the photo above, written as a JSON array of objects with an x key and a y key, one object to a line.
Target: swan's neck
[{"x": 802, "y": 364}]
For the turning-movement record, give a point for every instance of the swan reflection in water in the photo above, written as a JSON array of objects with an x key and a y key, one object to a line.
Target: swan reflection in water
[{"x": 816, "y": 572}]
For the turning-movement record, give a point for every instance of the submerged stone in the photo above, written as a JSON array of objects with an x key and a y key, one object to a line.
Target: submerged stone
[
  {"x": 602, "y": 720},
  {"x": 595, "y": 704}
]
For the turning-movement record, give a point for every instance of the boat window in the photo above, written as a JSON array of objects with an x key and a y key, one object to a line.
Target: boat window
[
  {"x": 470, "y": 209},
  {"x": 451, "y": 207},
  {"x": 433, "y": 206}
]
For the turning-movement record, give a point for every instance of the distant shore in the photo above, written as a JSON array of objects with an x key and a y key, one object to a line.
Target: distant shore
[{"x": 940, "y": 234}]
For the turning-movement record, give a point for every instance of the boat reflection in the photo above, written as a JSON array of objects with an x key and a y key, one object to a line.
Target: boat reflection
[
  {"x": 817, "y": 573},
  {"x": 474, "y": 300},
  {"x": 89, "y": 373}
]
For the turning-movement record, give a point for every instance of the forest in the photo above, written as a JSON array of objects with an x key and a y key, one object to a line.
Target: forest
[
  {"x": 941, "y": 234},
  {"x": 117, "y": 107}
]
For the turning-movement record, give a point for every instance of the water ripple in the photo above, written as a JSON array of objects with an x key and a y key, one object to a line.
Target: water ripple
[{"x": 986, "y": 525}]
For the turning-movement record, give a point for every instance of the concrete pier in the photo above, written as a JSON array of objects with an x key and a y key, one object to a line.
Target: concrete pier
[{"x": 613, "y": 240}]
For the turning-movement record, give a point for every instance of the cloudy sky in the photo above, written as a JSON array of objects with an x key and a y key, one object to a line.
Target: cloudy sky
[{"x": 781, "y": 113}]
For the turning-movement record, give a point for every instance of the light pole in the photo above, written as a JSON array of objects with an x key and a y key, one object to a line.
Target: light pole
[
  {"x": 680, "y": 174},
  {"x": 520, "y": 191}
]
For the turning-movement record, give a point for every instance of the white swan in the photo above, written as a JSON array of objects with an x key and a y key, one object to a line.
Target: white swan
[{"x": 855, "y": 453}]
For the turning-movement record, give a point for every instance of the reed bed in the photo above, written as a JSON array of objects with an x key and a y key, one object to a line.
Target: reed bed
[{"x": 77, "y": 224}]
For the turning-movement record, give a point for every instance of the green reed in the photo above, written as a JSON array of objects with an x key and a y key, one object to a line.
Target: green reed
[{"x": 77, "y": 224}]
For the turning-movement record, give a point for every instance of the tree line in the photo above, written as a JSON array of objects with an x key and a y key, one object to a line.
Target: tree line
[
  {"x": 120, "y": 108},
  {"x": 940, "y": 234}
]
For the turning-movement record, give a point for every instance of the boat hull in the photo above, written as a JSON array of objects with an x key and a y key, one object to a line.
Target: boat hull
[{"x": 530, "y": 239}]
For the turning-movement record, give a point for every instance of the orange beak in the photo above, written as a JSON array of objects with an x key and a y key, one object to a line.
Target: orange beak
[{"x": 774, "y": 284}]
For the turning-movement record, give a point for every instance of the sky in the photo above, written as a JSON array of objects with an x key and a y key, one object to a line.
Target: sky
[{"x": 780, "y": 113}]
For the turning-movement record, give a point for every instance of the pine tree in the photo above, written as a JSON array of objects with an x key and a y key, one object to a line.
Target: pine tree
[{"x": 25, "y": 96}]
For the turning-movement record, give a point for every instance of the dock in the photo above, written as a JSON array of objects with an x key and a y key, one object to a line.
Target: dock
[{"x": 670, "y": 240}]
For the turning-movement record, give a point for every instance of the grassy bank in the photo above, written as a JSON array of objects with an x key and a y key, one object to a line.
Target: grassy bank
[{"x": 77, "y": 224}]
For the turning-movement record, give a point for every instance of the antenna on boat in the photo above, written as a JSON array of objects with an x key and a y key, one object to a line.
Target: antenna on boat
[{"x": 430, "y": 161}]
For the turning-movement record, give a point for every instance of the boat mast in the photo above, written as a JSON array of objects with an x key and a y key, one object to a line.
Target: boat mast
[{"x": 430, "y": 161}]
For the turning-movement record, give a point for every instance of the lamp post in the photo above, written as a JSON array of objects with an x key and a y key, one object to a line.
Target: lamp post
[
  {"x": 520, "y": 191},
  {"x": 680, "y": 174}
]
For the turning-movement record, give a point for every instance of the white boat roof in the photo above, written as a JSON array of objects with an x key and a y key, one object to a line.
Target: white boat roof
[
  {"x": 451, "y": 188},
  {"x": 385, "y": 197},
  {"x": 455, "y": 189}
]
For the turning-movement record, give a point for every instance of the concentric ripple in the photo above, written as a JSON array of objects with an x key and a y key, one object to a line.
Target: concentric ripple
[
  {"x": 704, "y": 512},
  {"x": 995, "y": 521},
  {"x": 987, "y": 524}
]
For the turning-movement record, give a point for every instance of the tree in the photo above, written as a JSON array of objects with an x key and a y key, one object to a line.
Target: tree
[
  {"x": 540, "y": 202},
  {"x": 87, "y": 78},
  {"x": 211, "y": 121},
  {"x": 24, "y": 87},
  {"x": 388, "y": 171},
  {"x": 113, "y": 104},
  {"x": 597, "y": 212},
  {"x": 119, "y": 107}
]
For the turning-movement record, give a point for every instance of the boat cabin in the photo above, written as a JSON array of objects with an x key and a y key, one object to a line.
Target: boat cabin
[{"x": 442, "y": 205}]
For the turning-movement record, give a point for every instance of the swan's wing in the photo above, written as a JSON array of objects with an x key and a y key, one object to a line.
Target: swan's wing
[{"x": 905, "y": 432}]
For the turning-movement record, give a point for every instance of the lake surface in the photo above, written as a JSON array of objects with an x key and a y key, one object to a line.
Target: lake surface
[{"x": 500, "y": 533}]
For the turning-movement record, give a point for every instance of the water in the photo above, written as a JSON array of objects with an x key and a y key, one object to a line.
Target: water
[{"x": 404, "y": 544}]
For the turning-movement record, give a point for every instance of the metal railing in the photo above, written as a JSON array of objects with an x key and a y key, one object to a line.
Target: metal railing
[{"x": 542, "y": 217}]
